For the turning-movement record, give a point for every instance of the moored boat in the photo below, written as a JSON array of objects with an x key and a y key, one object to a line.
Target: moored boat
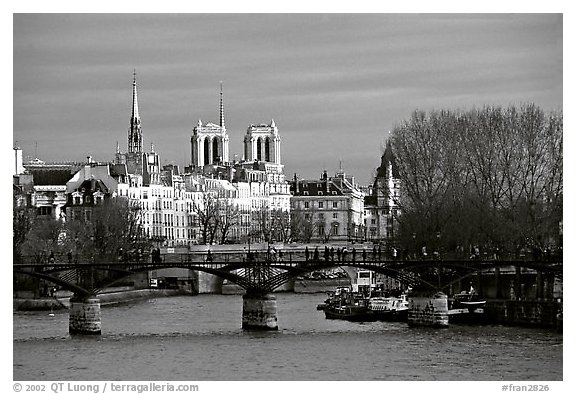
[
  {"x": 389, "y": 308},
  {"x": 466, "y": 307},
  {"x": 347, "y": 305},
  {"x": 356, "y": 306}
]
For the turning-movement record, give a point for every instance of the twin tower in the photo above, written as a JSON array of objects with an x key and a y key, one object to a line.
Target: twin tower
[{"x": 210, "y": 142}]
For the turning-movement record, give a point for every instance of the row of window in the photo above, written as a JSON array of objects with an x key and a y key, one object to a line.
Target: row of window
[
  {"x": 87, "y": 199},
  {"x": 309, "y": 216},
  {"x": 320, "y": 204}
]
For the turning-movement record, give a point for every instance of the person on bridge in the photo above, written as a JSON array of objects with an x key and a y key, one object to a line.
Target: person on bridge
[
  {"x": 316, "y": 254},
  {"x": 209, "y": 256},
  {"x": 326, "y": 253},
  {"x": 332, "y": 253},
  {"x": 353, "y": 254},
  {"x": 307, "y": 253}
]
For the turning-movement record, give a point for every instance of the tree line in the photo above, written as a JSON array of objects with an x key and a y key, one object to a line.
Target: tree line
[{"x": 489, "y": 177}]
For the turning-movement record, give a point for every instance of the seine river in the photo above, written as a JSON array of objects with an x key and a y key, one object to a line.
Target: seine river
[{"x": 200, "y": 338}]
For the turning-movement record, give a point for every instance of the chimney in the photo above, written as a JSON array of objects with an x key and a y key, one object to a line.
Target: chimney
[
  {"x": 325, "y": 177},
  {"x": 296, "y": 185},
  {"x": 19, "y": 166}
]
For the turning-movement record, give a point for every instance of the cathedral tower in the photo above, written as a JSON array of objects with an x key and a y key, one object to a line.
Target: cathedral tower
[
  {"x": 209, "y": 142},
  {"x": 262, "y": 143}
]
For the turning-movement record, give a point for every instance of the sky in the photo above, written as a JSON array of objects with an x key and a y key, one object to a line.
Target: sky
[{"x": 335, "y": 84}]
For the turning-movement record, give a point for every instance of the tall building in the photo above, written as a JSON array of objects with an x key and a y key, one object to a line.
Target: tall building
[
  {"x": 381, "y": 204},
  {"x": 210, "y": 141},
  {"x": 144, "y": 164}
]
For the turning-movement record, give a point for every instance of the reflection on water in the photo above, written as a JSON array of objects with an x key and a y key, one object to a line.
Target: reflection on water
[{"x": 200, "y": 338}]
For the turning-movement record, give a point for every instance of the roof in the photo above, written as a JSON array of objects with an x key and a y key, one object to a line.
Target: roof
[
  {"x": 387, "y": 157},
  {"x": 315, "y": 188},
  {"x": 50, "y": 176}
]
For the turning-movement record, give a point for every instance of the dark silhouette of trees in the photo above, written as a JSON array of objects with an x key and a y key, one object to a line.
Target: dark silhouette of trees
[{"x": 490, "y": 177}]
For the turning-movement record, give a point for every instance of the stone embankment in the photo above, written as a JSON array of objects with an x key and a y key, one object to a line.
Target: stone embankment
[{"x": 110, "y": 297}]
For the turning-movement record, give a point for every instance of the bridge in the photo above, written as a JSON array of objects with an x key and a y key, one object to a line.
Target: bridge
[{"x": 261, "y": 275}]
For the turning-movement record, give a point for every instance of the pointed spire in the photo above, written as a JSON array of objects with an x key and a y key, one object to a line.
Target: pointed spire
[
  {"x": 135, "y": 114},
  {"x": 135, "y": 133},
  {"x": 221, "y": 106}
]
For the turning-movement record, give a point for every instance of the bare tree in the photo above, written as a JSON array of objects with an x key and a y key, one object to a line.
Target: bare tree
[
  {"x": 301, "y": 228},
  {"x": 490, "y": 176},
  {"x": 281, "y": 225},
  {"x": 208, "y": 213},
  {"x": 228, "y": 218}
]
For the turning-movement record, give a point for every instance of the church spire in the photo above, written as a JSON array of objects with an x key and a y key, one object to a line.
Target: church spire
[
  {"x": 221, "y": 107},
  {"x": 135, "y": 134}
]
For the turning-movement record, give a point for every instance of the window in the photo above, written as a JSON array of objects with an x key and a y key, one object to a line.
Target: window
[
  {"x": 335, "y": 204},
  {"x": 44, "y": 211},
  {"x": 306, "y": 204},
  {"x": 320, "y": 204},
  {"x": 373, "y": 221},
  {"x": 335, "y": 216}
]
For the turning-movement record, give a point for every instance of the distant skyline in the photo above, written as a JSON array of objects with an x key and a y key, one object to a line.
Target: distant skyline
[{"x": 335, "y": 84}]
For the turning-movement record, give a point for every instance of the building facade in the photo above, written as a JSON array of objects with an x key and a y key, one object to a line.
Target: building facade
[
  {"x": 381, "y": 203},
  {"x": 333, "y": 206}
]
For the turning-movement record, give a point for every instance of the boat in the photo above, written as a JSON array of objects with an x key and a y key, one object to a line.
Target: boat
[
  {"x": 345, "y": 304},
  {"x": 389, "y": 308},
  {"x": 466, "y": 307},
  {"x": 349, "y": 306},
  {"x": 332, "y": 295}
]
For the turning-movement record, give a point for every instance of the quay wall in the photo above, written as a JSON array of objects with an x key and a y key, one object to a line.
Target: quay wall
[{"x": 106, "y": 299}]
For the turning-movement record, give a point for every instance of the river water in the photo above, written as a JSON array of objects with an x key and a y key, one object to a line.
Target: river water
[{"x": 197, "y": 338}]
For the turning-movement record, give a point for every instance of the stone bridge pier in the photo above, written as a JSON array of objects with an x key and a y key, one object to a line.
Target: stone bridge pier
[
  {"x": 259, "y": 311},
  {"x": 85, "y": 315},
  {"x": 428, "y": 308}
]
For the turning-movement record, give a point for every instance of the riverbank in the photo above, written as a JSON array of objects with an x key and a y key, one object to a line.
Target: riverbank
[{"x": 108, "y": 298}]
